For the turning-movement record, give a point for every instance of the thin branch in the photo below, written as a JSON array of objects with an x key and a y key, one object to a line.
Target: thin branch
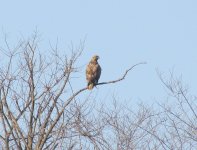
[{"x": 123, "y": 77}]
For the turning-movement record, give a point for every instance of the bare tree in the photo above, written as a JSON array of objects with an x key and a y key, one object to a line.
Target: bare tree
[
  {"x": 39, "y": 108},
  {"x": 179, "y": 115}
]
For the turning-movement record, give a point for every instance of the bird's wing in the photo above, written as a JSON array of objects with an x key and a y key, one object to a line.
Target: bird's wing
[
  {"x": 98, "y": 72},
  {"x": 93, "y": 72}
]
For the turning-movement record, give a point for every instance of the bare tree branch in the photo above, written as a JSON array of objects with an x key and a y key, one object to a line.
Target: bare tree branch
[{"x": 123, "y": 77}]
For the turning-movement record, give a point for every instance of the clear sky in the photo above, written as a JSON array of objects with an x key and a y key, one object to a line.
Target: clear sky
[{"x": 122, "y": 32}]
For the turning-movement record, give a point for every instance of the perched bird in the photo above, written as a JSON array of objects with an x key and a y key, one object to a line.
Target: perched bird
[{"x": 93, "y": 72}]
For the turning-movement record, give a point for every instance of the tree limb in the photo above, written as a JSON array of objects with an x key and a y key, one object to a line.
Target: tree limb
[{"x": 123, "y": 77}]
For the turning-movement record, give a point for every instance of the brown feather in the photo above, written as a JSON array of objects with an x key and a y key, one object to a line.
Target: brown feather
[{"x": 93, "y": 72}]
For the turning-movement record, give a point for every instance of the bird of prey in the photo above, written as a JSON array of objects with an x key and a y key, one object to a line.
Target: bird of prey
[{"x": 93, "y": 72}]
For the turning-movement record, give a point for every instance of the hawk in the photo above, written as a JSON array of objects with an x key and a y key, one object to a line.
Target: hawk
[{"x": 93, "y": 72}]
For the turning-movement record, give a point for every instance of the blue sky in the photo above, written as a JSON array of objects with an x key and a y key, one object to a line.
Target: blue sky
[{"x": 122, "y": 32}]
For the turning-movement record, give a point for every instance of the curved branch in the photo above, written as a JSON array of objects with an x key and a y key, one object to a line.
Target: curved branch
[
  {"x": 123, "y": 77},
  {"x": 109, "y": 82}
]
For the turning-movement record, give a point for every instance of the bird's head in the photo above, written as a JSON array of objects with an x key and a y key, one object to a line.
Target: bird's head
[{"x": 95, "y": 58}]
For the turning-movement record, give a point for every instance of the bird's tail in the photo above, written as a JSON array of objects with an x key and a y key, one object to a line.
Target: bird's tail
[{"x": 90, "y": 86}]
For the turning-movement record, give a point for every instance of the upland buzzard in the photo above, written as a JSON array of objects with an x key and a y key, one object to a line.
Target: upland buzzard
[{"x": 93, "y": 72}]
